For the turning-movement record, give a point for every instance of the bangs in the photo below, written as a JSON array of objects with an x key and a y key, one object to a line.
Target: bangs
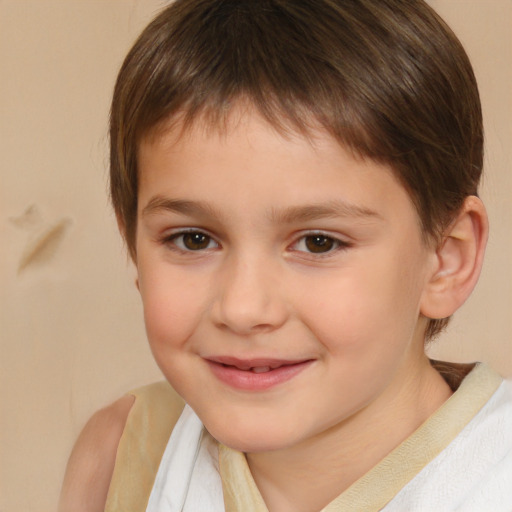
[{"x": 288, "y": 76}]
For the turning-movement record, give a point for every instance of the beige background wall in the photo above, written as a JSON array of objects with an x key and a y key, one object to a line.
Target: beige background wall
[{"x": 72, "y": 338}]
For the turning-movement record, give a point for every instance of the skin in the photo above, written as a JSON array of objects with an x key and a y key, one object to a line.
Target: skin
[
  {"x": 92, "y": 460},
  {"x": 255, "y": 290},
  {"x": 351, "y": 302}
]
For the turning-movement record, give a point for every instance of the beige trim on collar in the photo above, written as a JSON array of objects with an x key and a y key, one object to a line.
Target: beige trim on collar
[
  {"x": 152, "y": 417},
  {"x": 238, "y": 486}
]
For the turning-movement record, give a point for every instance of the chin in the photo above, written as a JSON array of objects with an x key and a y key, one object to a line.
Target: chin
[
  {"x": 251, "y": 445},
  {"x": 250, "y": 438}
]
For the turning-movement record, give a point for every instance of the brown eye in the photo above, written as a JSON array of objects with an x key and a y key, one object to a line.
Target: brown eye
[
  {"x": 196, "y": 241},
  {"x": 192, "y": 241},
  {"x": 319, "y": 243}
]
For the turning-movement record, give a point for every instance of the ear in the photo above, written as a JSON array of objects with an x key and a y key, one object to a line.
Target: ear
[{"x": 457, "y": 261}]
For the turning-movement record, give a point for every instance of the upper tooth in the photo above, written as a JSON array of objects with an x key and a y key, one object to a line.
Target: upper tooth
[{"x": 260, "y": 369}]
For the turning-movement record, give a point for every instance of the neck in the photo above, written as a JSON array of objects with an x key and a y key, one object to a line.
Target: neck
[{"x": 310, "y": 475}]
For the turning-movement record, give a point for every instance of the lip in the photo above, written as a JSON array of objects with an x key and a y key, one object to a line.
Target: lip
[{"x": 255, "y": 374}]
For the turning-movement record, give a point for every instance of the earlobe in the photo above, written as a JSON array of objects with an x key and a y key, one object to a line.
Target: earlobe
[{"x": 459, "y": 260}]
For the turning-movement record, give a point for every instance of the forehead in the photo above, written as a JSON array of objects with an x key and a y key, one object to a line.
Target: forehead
[
  {"x": 242, "y": 137},
  {"x": 239, "y": 126},
  {"x": 248, "y": 167}
]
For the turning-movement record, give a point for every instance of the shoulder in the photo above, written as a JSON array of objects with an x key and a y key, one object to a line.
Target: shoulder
[
  {"x": 92, "y": 460},
  {"x": 126, "y": 438}
]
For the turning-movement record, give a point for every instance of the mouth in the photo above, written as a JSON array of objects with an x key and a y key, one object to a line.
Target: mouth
[{"x": 255, "y": 374}]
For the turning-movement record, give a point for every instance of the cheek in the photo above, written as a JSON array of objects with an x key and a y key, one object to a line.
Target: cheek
[
  {"x": 366, "y": 307},
  {"x": 172, "y": 307}
]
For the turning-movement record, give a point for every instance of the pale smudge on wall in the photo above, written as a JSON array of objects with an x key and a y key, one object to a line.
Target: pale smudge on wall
[{"x": 44, "y": 239}]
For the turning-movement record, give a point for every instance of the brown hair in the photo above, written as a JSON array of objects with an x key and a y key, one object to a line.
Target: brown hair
[{"x": 387, "y": 78}]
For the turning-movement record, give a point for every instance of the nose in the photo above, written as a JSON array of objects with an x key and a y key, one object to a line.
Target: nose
[{"x": 248, "y": 297}]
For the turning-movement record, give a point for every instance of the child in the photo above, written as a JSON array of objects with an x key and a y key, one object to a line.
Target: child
[{"x": 296, "y": 182}]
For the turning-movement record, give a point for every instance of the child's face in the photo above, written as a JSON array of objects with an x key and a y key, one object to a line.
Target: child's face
[{"x": 258, "y": 251}]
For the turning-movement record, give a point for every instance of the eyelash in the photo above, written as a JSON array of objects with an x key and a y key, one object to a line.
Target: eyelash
[
  {"x": 171, "y": 241},
  {"x": 335, "y": 244}
]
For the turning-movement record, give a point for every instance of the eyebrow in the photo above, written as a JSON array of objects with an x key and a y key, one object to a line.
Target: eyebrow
[
  {"x": 328, "y": 209},
  {"x": 192, "y": 208},
  {"x": 289, "y": 215}
]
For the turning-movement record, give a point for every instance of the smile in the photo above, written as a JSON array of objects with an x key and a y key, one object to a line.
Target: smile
[{"x": 255, "y": 374}]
